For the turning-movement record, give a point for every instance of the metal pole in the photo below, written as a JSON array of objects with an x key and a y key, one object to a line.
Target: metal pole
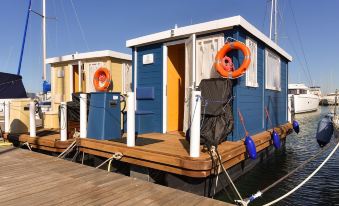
[
  {"x": 63, "y": 121},
  {"x": 275, "y": 21},
  {"x": 130, "y": 119},
  {"x": 32, "y": 124},
  {"x": 83, "y": 115},
  {"x": 271, "y": 19},
  {"x": 24, "y": 37},
  {"x": 44, "y": 39},
  {"x": 195, "y": 125}
]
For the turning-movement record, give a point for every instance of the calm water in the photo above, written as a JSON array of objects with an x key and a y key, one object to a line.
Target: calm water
[{"x": 322, "y": 189}]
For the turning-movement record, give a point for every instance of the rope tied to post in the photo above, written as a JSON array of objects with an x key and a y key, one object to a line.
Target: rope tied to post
[{"x": 115, "y": 156}]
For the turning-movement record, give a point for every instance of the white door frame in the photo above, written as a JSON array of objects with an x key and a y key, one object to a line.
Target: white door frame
[{"x": 164, "y": 80}]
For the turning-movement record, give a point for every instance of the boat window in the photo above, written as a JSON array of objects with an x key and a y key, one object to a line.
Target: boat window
[
  {"x": 293, "y": 91},
  {"x": 251, "y": 73},
  {"x": 206, "y": 50},
  {"x": 303, "y": 91},
  {"x": 127, "y": 77},
  {"x": 272, "y": 66}
]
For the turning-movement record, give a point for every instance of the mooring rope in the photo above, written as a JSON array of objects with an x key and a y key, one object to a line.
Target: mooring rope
[
  {"x": 215, "y": 153},
  {"x": 115, "y": 156},
  {"x": 261, "y": 192},
  {"x": 306, "y": 180},
  {"x": 68, "y": 149}
]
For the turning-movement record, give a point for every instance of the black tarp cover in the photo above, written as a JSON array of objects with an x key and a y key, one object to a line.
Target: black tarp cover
[
  {"x": 11, "y": 86},
  {"x": 216, "y": 110}
]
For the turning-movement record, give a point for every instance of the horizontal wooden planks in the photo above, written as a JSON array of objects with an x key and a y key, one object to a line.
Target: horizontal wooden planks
[{"x": 29, "y": 178}]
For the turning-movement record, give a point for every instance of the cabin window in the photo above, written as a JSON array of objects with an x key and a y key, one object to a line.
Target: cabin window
[
  {"x": 251, "y": 73},
  {"x": 272, "y": 65},
  {"x": 126, "y": 77},
  {"x": 293, "y": 91},
  {"x": 206, "y": 49}
]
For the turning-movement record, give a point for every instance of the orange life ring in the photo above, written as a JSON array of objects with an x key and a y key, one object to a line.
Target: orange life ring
[
  {"x": 102, "y": 79},
  {"x": 219, "y": 60}
]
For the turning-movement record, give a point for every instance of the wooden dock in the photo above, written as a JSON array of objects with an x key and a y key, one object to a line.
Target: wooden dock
[
  {"x": 29, "y": 178},
  {"x": 164, "y": 152}
]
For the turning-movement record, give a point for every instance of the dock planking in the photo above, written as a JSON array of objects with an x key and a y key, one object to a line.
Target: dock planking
[{"x": 29, "y": 178}]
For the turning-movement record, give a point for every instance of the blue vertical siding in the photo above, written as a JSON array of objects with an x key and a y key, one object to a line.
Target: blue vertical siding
[
  {"x": 249, "y": 100},
  {"x": 150, "y": 75}
]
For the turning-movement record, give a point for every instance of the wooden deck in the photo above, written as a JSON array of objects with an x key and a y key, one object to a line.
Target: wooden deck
[
  {"x": 165, "y": 152},
  {"x": 48, "y": 140},
  {"x": 29, "y": 178}
]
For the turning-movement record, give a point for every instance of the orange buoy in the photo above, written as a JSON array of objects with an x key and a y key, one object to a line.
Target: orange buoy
[
  {"x": 102, "y": 79},
  {"x": 223, "y": 68}
]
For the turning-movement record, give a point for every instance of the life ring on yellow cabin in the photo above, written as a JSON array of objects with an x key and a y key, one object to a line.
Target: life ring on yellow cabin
[
  {"x": 224, "y": 68},
  {"x": 102, "y": 79}
]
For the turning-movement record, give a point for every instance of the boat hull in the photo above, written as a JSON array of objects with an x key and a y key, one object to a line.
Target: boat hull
[{"x": 305, "y": 103}]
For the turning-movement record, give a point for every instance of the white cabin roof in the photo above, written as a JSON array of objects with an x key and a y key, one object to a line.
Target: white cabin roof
[
  {"x": 297, "y": 86},
  {"x": 89, "y": 55},
  {"x": 207, "y": 27}
]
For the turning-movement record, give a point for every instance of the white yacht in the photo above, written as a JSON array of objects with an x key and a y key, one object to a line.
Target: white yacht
[{"x": 302, "y": 99}]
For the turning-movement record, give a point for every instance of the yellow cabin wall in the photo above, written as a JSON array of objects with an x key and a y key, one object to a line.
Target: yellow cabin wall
[{"x": 60, "y": 87}]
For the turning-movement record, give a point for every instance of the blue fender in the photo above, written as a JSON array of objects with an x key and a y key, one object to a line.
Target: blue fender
[
  {"x": 276, "y": 139},
  {"x": 251, "y": 148},
  {"x": 295, "y": 125}
]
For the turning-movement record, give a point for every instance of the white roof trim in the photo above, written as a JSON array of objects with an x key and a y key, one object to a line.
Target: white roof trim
[
  {"x": 210, "y": 26},
  {"x": 89, "y": 55}
]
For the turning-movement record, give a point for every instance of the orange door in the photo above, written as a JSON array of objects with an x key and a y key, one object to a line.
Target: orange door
[
  {"x": 175, "y": 87},
  {"x": 75, "y": 78}
]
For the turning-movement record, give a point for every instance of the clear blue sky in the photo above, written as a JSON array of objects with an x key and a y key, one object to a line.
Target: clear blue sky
[{"x": 107, "y": 24}]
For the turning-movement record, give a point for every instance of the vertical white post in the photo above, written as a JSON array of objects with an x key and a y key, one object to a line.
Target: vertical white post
[
  {"x": 83, "y": 115},
  {"x": 63, "y": 121},
  {"x": 7, "y": 107},
  {"x": 195, "y": 124},
  {"x": 32, "y": 125},
  {"x": 130, "y": 119},
  {"x": 44, "y": 38}
]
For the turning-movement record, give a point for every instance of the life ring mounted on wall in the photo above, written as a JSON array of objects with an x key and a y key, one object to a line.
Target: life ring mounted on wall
[
  {"x": 102, "y": 79},
  {"x": 223, "y": 64}
]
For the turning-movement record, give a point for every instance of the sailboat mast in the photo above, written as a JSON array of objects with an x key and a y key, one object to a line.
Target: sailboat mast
[
  {"x": 44, "y": 39},
  {"x": 274, "y": 15},
  {"x": 271, "y": 19},
  {"x": 275, "y": 22}
]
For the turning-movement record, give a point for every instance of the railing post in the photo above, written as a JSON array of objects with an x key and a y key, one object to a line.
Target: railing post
[
  {"x": 195, "y": 124},
  {"x": 130, "y": 119},
  {"x": 83, "y": 115},
  {"x": 32, "y": 124},
  {"x": 63, "y": 121},
  {"x": 7, "y": 114}
]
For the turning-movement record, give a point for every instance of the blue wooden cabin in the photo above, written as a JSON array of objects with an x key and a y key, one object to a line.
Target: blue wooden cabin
[{"x": 168, "y": 64}]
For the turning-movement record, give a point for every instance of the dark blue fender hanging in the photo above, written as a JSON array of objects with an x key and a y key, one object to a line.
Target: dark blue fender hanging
[
  {"x": 324, "y": 131},
  {"x": 276, "y": 139},
  {"x": 251, "y": 148},
  {"x": 295, "y": 125}
]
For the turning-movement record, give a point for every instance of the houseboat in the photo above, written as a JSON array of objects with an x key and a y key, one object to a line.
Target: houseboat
[{"x": 173, "y": 80}]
